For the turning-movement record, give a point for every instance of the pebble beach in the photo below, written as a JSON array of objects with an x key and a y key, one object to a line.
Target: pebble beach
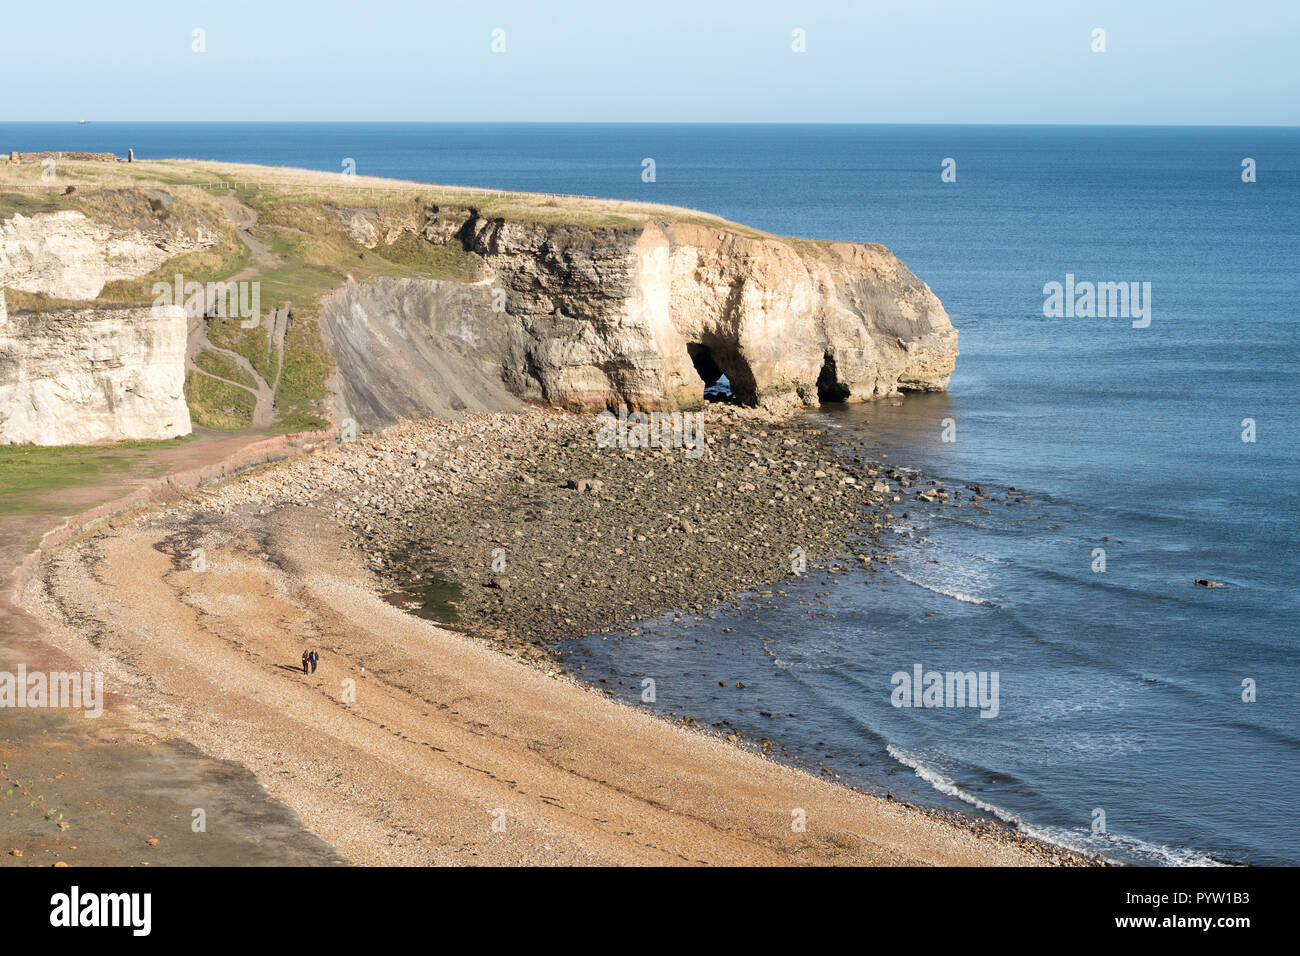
[{"x": 439, "y": 567}]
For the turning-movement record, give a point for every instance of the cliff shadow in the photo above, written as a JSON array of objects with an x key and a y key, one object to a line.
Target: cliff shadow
[
  {"x": 829, "y": 386},
  {"x": 725, "y": 374}
]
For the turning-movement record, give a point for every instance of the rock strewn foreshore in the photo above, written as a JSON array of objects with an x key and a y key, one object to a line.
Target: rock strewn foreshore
[
  {"x": 523, "y": 529},
  {"x": 577, "y": 537},
  {"x": 543, "y": 534}
]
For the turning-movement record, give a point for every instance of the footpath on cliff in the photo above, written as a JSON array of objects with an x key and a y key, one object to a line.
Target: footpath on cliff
[{"x": 263, "y": 391}]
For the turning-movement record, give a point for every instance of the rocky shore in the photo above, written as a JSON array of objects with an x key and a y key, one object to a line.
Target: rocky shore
[
  {"x": 529, "y": 528},
  {"x": 524, "y": 529}
]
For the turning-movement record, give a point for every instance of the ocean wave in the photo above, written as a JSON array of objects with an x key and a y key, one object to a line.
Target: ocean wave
[
  {"x": 1104, "y": 844},
  {"x": 791, "y": 666},
  {"x": 949, "y": 592}
]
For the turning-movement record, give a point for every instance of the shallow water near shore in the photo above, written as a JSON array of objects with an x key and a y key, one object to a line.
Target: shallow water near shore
[
  {"x": 435, "y": 600},
  {"x": 1117, "y": 691},
  {"x": 1120, "y": 690}
]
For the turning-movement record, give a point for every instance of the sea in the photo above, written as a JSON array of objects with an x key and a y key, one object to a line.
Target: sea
[{"x": 1138, "y": 715}]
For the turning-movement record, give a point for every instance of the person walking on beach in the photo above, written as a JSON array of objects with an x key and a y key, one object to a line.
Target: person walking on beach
[
  {"x": 315, "y": 659},
  {"x": 306, "y": 661}
]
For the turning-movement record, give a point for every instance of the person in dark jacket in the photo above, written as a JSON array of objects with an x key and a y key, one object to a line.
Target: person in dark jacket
[{"x": 315, "y": 659}]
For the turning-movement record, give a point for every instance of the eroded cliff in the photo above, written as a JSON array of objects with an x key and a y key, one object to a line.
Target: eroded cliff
[
  {"x": 403, "y": 300},
  {"x": 591, "y": 318},
  {"x": 68, "y": 254},
  {"x": 81, "y": 376},
  {"x": 76, "y": 369}
]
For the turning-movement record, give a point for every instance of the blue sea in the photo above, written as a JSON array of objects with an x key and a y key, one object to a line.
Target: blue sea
[{"x": 1127, "y": 724}]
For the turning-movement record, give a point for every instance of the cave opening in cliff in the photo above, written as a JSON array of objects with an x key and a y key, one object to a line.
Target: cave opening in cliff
[
  {"x": 717, "y": 387},
  {"x": 829, "y": 386}
]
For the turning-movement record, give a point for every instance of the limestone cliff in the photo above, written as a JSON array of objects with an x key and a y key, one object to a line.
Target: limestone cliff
[
  {"x": 587, "y": 319},
  {"x": 581, "y": 304},
  {"x": 80, "y": 376},
  {"x": 68, "y": 255},
  {"x": 85, "y": 373},
  {"x": 411, "y": 348}
]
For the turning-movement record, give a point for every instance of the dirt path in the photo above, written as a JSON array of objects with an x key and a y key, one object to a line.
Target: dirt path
[
  {"x": 243, "y": 219},
  {"x": 263, "y": 392}
]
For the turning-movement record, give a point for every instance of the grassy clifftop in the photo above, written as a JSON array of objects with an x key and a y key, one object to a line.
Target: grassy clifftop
[
  {"x": 322, "y": 187},
  {"x": 289, "y": 240}
]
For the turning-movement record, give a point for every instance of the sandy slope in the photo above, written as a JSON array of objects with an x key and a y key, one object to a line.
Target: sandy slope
[{"x": 445, "y": 735}]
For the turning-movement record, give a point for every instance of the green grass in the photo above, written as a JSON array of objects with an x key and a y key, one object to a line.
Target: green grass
[
  {"x": 298, "y": 285},
  {"x": 413, "y": 255},
  {"x": 302, "y": 392},
  {"x": 29, "y": 472},
  {"x": 253, "y": 344},
  {"x": 217, "y": 405},
  {"x": 312, "y": 238},
  {"x": 299, "y": 422},
  {"x": 29, "y": 204},
  {"x": 222, "y": 366}
]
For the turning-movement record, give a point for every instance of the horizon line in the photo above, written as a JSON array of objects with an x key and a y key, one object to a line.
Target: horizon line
[{"x": 89, "y": 122}]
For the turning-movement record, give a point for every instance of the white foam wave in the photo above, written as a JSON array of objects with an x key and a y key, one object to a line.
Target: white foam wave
[
  {"x": 945, "y": 591},
  {"x": 1106, "y": 844}
]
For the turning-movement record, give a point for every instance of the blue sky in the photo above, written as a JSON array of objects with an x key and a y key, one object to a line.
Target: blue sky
[{"x": 923, "y": 61}]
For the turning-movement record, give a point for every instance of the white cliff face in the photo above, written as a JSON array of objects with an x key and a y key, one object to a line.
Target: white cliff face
[
  {"x": 779, "y": 318},
  {"x": 68, "y": 256},
  {"x": 87, "y": 375},
  {"x": 637, "y": 317},
  {"x": 82, "y": 376}
]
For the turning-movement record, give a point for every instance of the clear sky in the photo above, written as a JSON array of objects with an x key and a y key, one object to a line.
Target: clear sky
[{"x": 917, "y": 61}]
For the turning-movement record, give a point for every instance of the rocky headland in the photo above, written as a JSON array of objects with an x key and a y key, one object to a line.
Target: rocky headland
[
  {"x": 406, "y": 300},
  {"x": 590, "y": 318}
]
